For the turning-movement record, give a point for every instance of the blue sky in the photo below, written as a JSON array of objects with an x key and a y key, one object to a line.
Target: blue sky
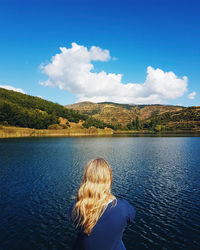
[{"x": 162, "y": 34}]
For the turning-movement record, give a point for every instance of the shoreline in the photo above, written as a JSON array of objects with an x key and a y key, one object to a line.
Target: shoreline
[
  {"x": 137, "y": 132},
  {"x": 18, "y": 132}
]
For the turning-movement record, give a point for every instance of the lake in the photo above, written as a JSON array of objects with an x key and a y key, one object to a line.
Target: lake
[{"x": 159, "y": 176}]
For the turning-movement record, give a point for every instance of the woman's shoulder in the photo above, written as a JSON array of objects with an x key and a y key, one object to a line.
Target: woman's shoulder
[{"x": 127, "y": 209}]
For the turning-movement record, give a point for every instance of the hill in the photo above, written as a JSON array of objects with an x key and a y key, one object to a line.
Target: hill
[
  {"x": 114, "y": 113},
  {"x": 21, "y": 110}
]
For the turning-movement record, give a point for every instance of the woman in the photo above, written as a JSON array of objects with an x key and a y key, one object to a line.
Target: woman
[{"x": 100, "y": 217}]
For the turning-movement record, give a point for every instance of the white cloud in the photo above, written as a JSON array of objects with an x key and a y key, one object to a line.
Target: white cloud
[
  {"x": 72, "y": 70},
  {"x": 192, "y": 95},
  {"x": 12, "y": 88}
]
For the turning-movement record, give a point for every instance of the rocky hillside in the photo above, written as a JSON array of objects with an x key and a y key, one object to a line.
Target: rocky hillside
[{"x": 114, "y": 113}]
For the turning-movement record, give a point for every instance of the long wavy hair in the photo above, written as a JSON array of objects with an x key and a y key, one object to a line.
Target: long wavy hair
[{"x": 94, "y": 194}]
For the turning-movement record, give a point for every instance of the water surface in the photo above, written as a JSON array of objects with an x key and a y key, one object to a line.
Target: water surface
[{"x": 159, "y": 176}]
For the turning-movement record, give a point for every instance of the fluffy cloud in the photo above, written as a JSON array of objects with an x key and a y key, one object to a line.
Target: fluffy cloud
[
  {"x": 73, "y": 71},
  {"x": 192, "y": 95},
  {"x": 12, "y": 88}
]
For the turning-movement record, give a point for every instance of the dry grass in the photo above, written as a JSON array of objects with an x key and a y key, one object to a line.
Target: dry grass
[{"x": 6, "y": 132}]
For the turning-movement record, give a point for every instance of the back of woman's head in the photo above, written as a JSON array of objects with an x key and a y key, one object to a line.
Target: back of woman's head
[
  {"x": 94, "y": 194},
  {"x": 98, "y": 172}
]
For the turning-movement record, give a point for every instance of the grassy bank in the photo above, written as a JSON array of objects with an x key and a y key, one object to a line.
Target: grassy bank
[{"x": 8, "y": 132}]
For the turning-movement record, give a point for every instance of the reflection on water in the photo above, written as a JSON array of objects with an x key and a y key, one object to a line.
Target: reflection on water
[{"x": 158, "y": 175}]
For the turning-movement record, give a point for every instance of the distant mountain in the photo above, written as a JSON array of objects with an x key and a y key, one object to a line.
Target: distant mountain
[
  {"x": 115, "y": 113},
  {"x": 143, "y": 117}
]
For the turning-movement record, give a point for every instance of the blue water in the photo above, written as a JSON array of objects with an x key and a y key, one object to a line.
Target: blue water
[{"x": 159, "y": 176}]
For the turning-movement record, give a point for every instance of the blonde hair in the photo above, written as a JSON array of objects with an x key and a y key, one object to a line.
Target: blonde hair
[{"x": 94, "y": 194}]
